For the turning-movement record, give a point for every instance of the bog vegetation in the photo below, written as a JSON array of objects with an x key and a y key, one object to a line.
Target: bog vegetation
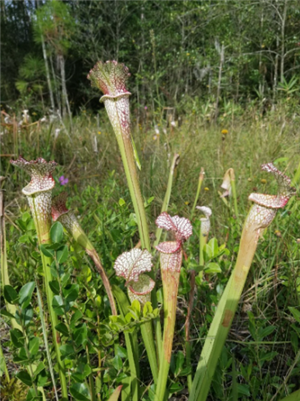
[{"x": 158, "y": 256}]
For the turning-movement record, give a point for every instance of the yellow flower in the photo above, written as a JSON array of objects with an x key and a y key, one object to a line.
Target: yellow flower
[
  {"x": 188, "y": 54},
  {"x": 206, "y": 189},
  {"x": 99, "y": 132},
  {"x": 34, "y": 113},
  {"x": 187, "y": 203},
  {"x": 224, "y": 131},
  {"x": 263, "y": 181}
]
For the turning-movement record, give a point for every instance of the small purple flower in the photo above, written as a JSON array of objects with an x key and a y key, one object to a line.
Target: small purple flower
[
  {"x": 63, "y": 180},
  {"x": 146, "y": 108}
]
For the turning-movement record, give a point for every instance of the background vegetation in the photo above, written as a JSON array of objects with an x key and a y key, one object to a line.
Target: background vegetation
[{"x": 217, "y": 82}]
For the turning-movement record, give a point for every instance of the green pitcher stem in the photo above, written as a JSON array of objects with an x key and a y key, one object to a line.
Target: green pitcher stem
[
  {"x": 44, "y": 238},
  {"x": 126, "y": 150},
  {"x": 170, "y": 281},
  {"x": 226, "y": 309}
]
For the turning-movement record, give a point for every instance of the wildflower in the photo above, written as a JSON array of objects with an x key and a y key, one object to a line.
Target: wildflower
[
  {"x": 43, "y": 120},
  {"x": 186, "y": 202},
  {"x": 224, "y": 132},
  {"x": 99, "y": 132},
  {"x": 263, "y": 181},
  {"x": 173, "y": 124},
  {"x": 156, "y": 129},
  {"x": 187, "y": 54},
  {"x": 34, "y": 113},
  {"x": 206, "y": 189},
  {"x": 146, "y": 108},
  {"x": 63, "y": 180}
]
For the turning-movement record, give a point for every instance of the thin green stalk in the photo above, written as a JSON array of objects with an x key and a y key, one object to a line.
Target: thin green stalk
[
  {"x": 131, "y": 393},
  {"x": 202, "y": 243},
  {"x": 46, "y": 262},
  {"x": 187, "y": 328},
  {"x": 296, "y": 177},
  {"x": 167, "y": 197},
  {"x": 46, "y": 340},
  {"x": 147, "y": 334},
  {"x": 91, "y": 378},
  {"x": 200, "y": 181},
  {"x": 233, "y": 188}
]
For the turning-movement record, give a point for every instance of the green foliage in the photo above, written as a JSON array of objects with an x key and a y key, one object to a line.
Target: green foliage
[{"x": 55, "y": 23}]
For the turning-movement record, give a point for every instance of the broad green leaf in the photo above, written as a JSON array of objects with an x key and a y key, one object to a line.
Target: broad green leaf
[
  {"x": 71, "y": 292},
  {"x": 80, "y": 392},
  {"x": 62, "y": 254},
  {"x": 58, "y": 305},
  {"x": 4, "y": 312},
  {"x": 34, "y": 346},
  {"x": 56, "y": 232},
  {"x": 26, "y": 294},
  {"x": 25, "y": 377},
  {"x": 54, "y": 285},
  {"x": 10, "y": 294},
  {"x": 17, "y": 338},
  {"x": 62, "y": 328},
  {"x": 81, "y": 335},
  {"x": 213, "y": 268},
  {"x": 46, "y": 251}
]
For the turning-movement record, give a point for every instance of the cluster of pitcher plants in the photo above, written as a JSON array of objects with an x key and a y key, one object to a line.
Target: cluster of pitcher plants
[{"x": 82, "y": 331}]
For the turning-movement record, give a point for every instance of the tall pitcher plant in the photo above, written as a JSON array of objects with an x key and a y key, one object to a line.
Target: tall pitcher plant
[{"x": 111, "y": 78}]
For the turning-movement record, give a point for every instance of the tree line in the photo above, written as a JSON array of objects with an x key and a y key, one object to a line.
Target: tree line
[{"x": 180, "y": 53}]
